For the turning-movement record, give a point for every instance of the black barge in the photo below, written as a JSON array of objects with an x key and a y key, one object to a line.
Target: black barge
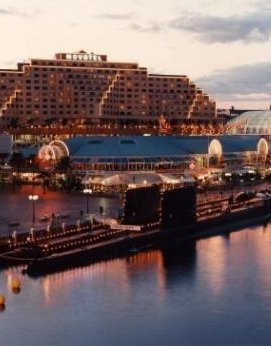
[{"x": 150, "y": 218}]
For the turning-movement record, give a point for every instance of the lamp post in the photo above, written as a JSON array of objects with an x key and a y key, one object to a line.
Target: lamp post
[
  {"x": 33, "y": 198},
  {"x": 87, "y": 192}
]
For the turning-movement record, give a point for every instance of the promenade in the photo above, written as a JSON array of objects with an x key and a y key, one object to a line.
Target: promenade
[{"x": 16, "y": 210}]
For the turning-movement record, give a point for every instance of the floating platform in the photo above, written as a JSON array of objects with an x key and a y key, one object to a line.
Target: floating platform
[
  {"x": 125, "y": 245},
  {"x": 178, "y": 218}
]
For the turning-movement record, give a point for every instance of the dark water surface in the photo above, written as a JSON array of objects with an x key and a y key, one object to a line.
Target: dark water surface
[{"x": 216, "y": 291}]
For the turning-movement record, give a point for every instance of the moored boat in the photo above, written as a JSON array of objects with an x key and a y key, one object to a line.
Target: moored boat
[{"x": 85, "y": 245}]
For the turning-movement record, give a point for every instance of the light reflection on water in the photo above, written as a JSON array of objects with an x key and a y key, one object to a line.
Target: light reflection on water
[{"x": 214, "y": 291}]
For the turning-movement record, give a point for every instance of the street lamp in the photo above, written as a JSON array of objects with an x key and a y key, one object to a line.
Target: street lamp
[
  {"x": 33, "y": 198},
  {"x": 87, "y": 192}
]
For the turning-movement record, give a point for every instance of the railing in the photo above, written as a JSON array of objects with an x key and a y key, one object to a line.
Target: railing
[{"x": 102, "y": 130}]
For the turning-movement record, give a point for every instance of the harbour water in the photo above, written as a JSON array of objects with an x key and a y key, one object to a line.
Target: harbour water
[{"x": 216, "y": 291}]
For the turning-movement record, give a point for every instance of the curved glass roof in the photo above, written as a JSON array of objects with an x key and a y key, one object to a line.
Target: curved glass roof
[
  {"x": 128, "y": 147},
  {"x": 252, "y": 122},
  {"x": 131, "y": 146}
]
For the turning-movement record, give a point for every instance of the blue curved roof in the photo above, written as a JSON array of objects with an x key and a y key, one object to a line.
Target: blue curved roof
[
  {"x": 155, "y": 146},
  {"x": 235, "y": 144},
  {"x": 144, "y": 146}
]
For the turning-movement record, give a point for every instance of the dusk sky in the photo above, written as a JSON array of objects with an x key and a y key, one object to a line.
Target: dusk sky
[{"x": 222, "y": 45}]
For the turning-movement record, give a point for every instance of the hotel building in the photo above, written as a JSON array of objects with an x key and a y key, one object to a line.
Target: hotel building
[{"x": 85, "y": 88}]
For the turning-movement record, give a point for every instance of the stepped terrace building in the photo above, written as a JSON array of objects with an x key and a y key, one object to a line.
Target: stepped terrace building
[{"x": 81, "y": 88}]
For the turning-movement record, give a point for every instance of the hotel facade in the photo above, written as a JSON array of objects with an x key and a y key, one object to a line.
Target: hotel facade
[{"x": 86, "y": 88}]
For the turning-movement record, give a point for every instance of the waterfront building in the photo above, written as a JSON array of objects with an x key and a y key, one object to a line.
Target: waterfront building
[
  {"x": 250, "y": 122},
  {"x": 80, "y": 88},
  {"x": 132, "y": 159}
]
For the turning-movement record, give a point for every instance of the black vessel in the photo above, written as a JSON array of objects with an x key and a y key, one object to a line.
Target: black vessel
[{"x": 150, "y": 217}]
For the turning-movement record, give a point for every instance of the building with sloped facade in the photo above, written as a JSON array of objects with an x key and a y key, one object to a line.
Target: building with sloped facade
[{"x": 83, "y": 88}]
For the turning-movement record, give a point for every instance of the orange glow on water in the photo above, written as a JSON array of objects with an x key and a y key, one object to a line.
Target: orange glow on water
[
  {"x": 55, "y": 285},
  {"x": 219, "y": 255},
  {"x": 213, "y": 262}
]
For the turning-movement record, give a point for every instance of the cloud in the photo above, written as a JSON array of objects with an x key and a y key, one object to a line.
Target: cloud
[
  {"x": 9, "y": 63},
  {"x": 74, "y": 24},
  {"x": 5, "y": 12},
  {"x": 250, "y": 27},
  {"x": 151, "y": 28},
  {"x": 117, "y": 16},
  {"x": 248, "y": 82},
  {"x": 13, "y": 12}
]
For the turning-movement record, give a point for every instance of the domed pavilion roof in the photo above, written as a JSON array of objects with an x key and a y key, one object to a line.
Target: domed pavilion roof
[{"x": 252, "y": 122}]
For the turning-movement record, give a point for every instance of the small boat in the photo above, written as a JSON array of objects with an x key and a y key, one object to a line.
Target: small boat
[
  {"x": 14, "y": 224},
  {"x": 44, "y": 218},
  {"x": 65, "y": 216},
  {"x": 133, "y": 250}
]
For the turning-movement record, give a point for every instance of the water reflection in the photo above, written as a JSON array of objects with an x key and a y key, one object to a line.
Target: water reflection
[
  {"x": 56, "y": 286},
  {"x": 148, "y": 263},
  {"x": 213, "y": 291},
  {"x": 213, "y": 262},
  {"x": 222, "y": 256},
  {"x": 179, "y": 262},
  {"x": 165, "y": 266}
]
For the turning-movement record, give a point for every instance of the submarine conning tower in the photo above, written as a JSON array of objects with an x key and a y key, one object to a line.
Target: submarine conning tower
[
  {"x": 178, "y": 207},
  {"x": 171, "y": 208}
]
